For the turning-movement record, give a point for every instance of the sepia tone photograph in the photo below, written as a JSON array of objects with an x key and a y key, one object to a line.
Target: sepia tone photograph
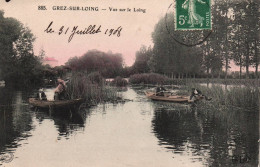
[{"x": 137, "y": 83}]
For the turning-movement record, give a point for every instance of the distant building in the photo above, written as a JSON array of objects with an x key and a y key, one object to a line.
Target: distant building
[{"x": 51, "y": 61}]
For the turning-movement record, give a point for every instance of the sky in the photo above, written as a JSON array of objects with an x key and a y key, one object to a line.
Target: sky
[
  {"x": 136, "y": 26},
  {"x": 136, "y": 31}
]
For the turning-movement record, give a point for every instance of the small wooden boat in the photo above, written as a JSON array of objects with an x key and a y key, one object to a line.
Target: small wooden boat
[
  {"x": 171, "y": 98},
  {"x": 54, "y": 103}
]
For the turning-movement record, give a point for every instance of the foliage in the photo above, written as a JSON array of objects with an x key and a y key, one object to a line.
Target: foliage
[
  {"x": 41, "y": 55},
  {"x": 147, "y": 78},
  {"x": 81, "y": 86},
  {"x": 234, "y": 38},
  {"x": 119, "y": 81},
  {"x": 18, "y": 64},
  {"x": 170, "y": 56},
  {"x": 108, "y": 64},
  {"x": 9, "y": 33},
  {"x": 141, "y": 61},
  {"x": 223, "y": 96},
  {"x": 95, "y": 78}
]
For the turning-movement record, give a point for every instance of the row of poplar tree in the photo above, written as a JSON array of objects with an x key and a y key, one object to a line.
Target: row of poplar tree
[{"x": 234, "y": 38}]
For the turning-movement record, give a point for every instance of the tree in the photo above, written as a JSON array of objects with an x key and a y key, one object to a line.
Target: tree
[
  {"x": 29, "y": 68},
  {"x": 172, "y": 57},
  {"x": 141, "y": 60},
  {"x": 9, "y": 33},
  {"x": 42, "y": 55},
  {"x": 245, "y": 35},
  {"x": 18, "y": 63},
  {"x": 253, "y": 16},
  {"x": 108, "y": 64},
  {"x": 256, "y": 57}
]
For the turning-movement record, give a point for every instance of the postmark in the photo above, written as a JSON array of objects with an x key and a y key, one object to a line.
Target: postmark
[
  {"x": 193, "y": 15},
  {"x": 186, "y": 37},
  {"x": 7, "y": 157}
]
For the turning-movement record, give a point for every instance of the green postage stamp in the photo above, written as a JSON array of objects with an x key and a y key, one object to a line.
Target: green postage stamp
[{"x": 192, "y": 14}]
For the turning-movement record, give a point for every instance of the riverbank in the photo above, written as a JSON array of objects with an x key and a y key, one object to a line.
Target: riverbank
[{"x": 223, "y": 95}]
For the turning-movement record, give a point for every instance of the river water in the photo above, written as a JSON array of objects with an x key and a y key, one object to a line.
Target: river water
[{"x": 136, "y": 133}]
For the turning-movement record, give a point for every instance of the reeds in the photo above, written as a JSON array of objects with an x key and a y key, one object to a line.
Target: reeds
[
  {"x": 90, "y": 87},
  {"x": 228, "y": 95}
]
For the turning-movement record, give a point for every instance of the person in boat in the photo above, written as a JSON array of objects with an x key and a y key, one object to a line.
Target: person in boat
[
  {"x": 160, "y": 91},
  {"x": 196, "y": 94},
  {"x": 41, "y": 95},
  {"x": 60, "y": 91}
]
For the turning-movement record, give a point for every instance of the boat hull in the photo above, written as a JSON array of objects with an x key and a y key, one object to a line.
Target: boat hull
[
  {"x": 170, "y": 98},
  {"x": 53, "y": 104}
]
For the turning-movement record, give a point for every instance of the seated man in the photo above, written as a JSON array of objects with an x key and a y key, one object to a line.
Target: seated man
[
  {"x": 60, "y": 91},
  {"x": 160, "y": 91},
  {"x": 196, "y": 93},
  {"x": 41, "y": 95}
]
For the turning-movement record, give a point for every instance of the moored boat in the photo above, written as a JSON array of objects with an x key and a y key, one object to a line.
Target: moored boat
[
  {"x": 54, "y": 103},
  {"x": 170, "y": 98}
]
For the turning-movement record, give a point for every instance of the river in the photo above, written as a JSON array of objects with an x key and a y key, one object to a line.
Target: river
[{"x": 136, "y": 133}]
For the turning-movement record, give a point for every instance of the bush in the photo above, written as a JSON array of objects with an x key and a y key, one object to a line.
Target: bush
[
  {"x": 148, "y": 78},
  {"x": 119, "y": 81}
]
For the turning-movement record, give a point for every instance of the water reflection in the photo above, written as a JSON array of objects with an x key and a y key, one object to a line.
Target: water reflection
[
  {"x": 15, "y": 119},
  {"x": 139, "y": 132},
  {"x": 214, "y": 139},
  {"x": 67, "y": 122},
  {"x": 18, "y": 120}
]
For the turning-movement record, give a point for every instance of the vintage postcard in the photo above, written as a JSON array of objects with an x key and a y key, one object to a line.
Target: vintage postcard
[{"x": 137, "y": 83}]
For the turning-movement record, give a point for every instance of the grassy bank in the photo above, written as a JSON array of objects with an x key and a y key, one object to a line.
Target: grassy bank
[
  {"x": 148, "y": 78},
  {"x": 156, "y": 79},
  {"x": 186, "y": 81}
]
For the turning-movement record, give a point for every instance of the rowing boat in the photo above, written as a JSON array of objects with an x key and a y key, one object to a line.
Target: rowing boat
[
  {"x": 53, "y": 103},
  {"x": 171, "y": 98}
]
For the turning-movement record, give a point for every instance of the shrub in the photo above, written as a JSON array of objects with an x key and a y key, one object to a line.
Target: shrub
[
  {"x": 119, "y": 81},
  {"x": 148, "y": 78}
]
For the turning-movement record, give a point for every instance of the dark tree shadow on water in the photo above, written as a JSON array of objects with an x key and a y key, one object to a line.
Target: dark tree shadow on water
[
  {"x": 222, "y": 140},
  {"x": 15, "y": 119}
]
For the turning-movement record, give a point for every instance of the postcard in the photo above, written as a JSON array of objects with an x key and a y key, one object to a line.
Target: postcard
[{"x": 107, "y": 83}]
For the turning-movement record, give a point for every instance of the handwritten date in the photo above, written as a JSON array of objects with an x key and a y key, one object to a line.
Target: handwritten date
[{"x": 76, "y": 30}]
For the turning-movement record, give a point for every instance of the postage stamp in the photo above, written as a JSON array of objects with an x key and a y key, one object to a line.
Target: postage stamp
[{"x": 193, "y": 14}]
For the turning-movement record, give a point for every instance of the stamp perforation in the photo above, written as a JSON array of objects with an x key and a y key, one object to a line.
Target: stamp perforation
[{"x": 192, "y": 16}]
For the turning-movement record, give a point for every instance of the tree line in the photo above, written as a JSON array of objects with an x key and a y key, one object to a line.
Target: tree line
[
  {"x": 19, "y": 66},
  {"x": 234, "y": 37}
]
